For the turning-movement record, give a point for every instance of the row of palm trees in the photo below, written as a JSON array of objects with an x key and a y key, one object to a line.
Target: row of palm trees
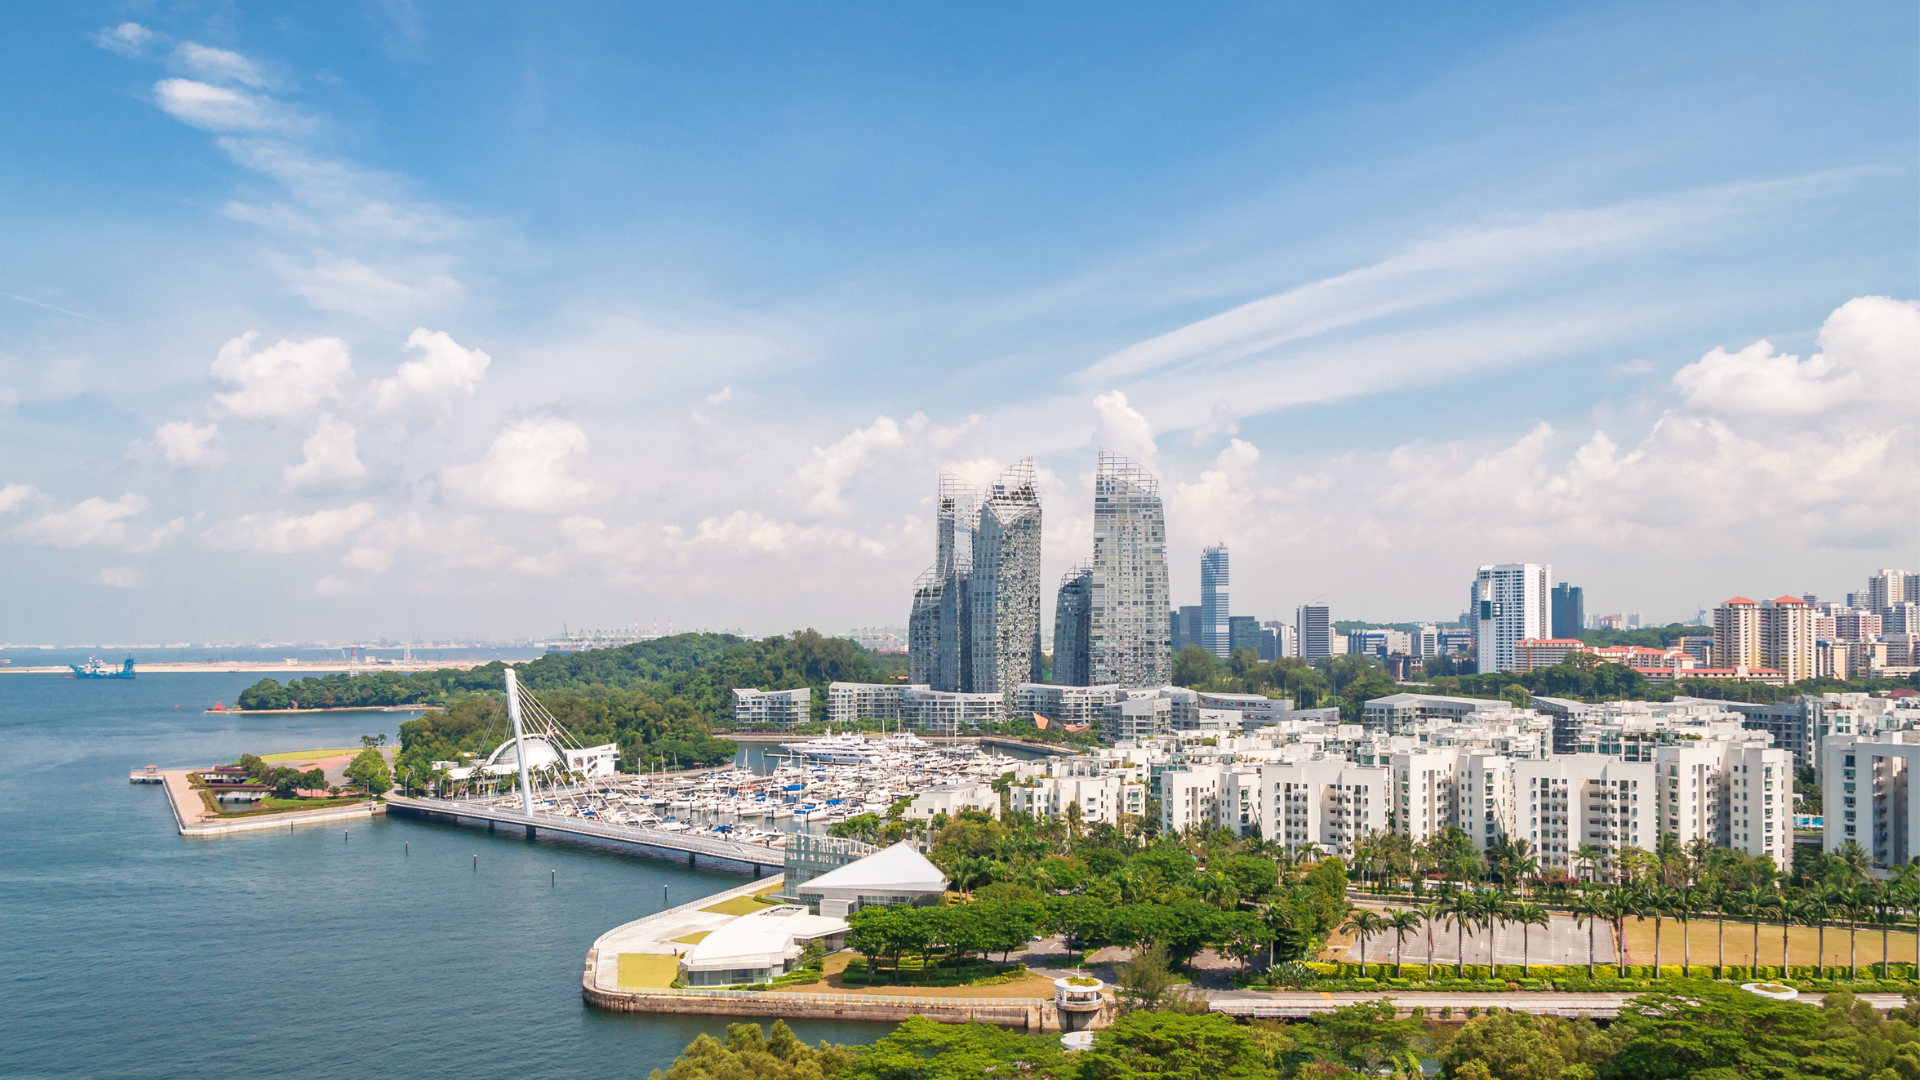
[{"x": 1874, "y": 905}]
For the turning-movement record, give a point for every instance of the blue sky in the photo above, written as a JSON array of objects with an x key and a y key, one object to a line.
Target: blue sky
[{"x": 604, "y": 314}]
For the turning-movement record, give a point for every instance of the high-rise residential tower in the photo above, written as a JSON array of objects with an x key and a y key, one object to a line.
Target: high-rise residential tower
[
  {"x": 1736, "y": 634},
  {"x": 1511, "y": 602},
  {"x": 1186, "y": 626},
  {"x": 1786, "y": 637},
  {"x": 1072, "y": 626},
  {"x": 940, "y": 626},
  {"x": 1569, "y": 611},
  {"x": 1004, "y": 594},
  {"x": 1313, "y": 628},
  {"x": 1890, "y": 587},
  {"x": 1129, "y": 643}
]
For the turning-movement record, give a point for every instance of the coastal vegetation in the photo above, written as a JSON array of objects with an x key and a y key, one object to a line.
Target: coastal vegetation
[{"x": 1691, "y": 1031}]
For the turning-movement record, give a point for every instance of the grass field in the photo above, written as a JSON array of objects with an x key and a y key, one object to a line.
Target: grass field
[
  {"x": 741, "y": 905},
  {"x": 694, "y": 938},
  {"x": 642, "y": 971},
  {"x": 307, "y": 755},
  {"x": 1802, "y": 943}
]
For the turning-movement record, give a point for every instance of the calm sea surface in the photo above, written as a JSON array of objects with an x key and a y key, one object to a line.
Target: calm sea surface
[{"x": 127, "y": 950}]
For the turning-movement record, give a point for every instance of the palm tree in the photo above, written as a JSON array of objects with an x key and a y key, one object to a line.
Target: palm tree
[
  {"x": 1684, "y": 903},
  {"x": 1715, "y": 898},
  {"x": 1365, "y": 923},
  {"x": 1588, "y": 857},
  {"x": 1753, "y": 901},
  {"x": 1431, "y": 912},
  {"x": 1816, "y": 907},
  {"x": 1620, "y": 903},
  {"x": 1858, "y": 901},
  {"x": 1656, "y": 900},
  {"x": 1495, "y": 908},
  {"x": 1589, "y": 907},
  {"x": 1855, "y": 858},
  {"x": 1789, "y": 909},
  {"x": 1402, "y": 924},
  {"x": 1460, "y": 908},
  {"x": 1522, "y": 862},
  {"x": 1528, "y": 914}
]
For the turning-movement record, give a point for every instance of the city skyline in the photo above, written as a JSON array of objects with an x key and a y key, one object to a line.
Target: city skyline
[{"x": 661, "y": 328}]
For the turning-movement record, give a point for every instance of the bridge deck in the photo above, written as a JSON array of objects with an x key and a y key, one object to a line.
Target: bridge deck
[{"x": 700, "y": 846}]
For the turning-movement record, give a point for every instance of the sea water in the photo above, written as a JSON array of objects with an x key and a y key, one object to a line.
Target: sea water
[{"x": 340, "y": 950}]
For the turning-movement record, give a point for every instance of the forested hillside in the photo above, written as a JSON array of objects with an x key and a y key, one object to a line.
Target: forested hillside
[{"x": 700, "y": 670}]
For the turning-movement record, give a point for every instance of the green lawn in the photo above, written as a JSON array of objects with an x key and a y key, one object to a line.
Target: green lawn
[
  {"x": 741, "y": 905},
  {"x": 694, "y": 938},
  {"x": 641, "y": 971}
]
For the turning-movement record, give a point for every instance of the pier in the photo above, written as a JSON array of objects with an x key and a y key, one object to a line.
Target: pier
[{"x": 755, "y": 856}]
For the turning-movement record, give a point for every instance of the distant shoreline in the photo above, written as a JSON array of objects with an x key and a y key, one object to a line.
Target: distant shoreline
[
  {"x": 262, "y": 666},
  {"x": 324, "y": 708}
]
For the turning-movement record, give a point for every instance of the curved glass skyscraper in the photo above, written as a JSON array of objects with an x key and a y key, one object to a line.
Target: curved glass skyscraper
[{"x": 1129, "y": 639}]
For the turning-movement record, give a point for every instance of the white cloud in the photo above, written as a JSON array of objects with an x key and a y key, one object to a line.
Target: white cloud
[
  {"x": 12, "y": 495},
  {"x": 747, "y": 532},
  {"x": 334, "y": 585},
  {"x": 118, "y": 577},
  {"x": 1871, "y": 354},
  {"x": 371, "y": 559},
  {"x": 1212, "y": 505},
  {"x": 220, "y": 108},
  {"x": 443, "y": 371},
  {"x": 528, "y": 468},
  {"x": 725, "y": 393},
  {"x": 217, "y": 65},
  {"x": 463, "y": 541},
  {"x": 1123, "y": 428},
  {"x": 93, "y": 522},
  {"x": 183, "y": 442},
  {"x": 337, "y": 197},
  {"x": 832, "y": 467},
  {"x": 286, "y": 379},
  {"x": 127, "y": 39},
  {"x": 343, "y": 283},
  {"x": 332, "y": 458},
  {"x": 548, "y": 565},
  {"x": 281, "y": 533}
]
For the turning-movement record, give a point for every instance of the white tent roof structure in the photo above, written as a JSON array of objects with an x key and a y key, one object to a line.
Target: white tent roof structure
[
  {"x": 761, "y": 939},
  {"x": 898, "y": 869}
]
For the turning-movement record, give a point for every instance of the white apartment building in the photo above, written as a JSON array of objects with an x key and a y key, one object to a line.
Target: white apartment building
[
  {"x": 1064, "y": 704},
  {"x": 1331, "y": 803},
  {"x": 1867, "y": 795},
  {"x": 848, "y": 702},
  {"x": 1402, "y": 714},
  {"x": 1484, "y": 797},
  {"x": 783, "y": 707},
  {"x": 1135, "y": 717},
  {"x": 1256, "y": 709},
  {"x": 1189, "y": 797},
  {"x": 950, "y": 801},
  {"x": 1580, "y": 799},
  {"x": 1101, "y": 798},
  {"x": 1424, "y": 788},
  {"x": 950, "y": 711},
  {"x": 1509, "y": 603}
]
